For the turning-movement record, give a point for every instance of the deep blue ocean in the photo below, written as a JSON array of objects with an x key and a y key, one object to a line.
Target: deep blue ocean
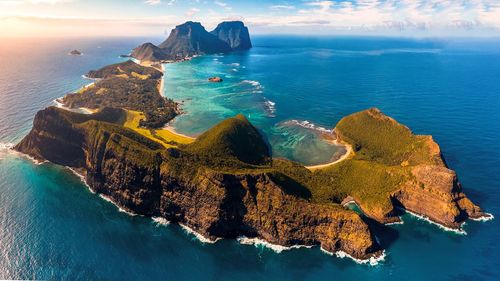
[{"x": 52, "y": 227}]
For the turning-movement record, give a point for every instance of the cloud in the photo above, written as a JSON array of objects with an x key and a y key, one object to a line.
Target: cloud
[
  {"x": 220, "y": 3},
  {"x": 22, "y": 2},
  {"x": 152, "y": 2},
  {"x": 282, "y": 7},
  {"x": 191, "y": 12}
]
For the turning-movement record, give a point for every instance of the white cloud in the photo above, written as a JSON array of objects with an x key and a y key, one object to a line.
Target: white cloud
[
  {"x": 220, "y": 3},
  {"x": 21, "y": 2},
  {"x": 152, "y": 2},
  {"x": 282, "y": 7},
  {"x": 191, "y": 12}
]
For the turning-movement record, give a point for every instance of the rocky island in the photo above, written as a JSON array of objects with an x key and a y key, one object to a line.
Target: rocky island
[
  {"x": 225, "y": 183},
  {"x": 75, "y": 53},
  {"x": 191, "y": 39}
]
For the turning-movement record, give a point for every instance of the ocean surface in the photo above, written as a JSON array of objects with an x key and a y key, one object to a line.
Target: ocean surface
[{"x": 293, "y": 89}]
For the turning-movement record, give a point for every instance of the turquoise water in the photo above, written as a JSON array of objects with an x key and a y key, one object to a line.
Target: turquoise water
[{"x": 52, "y": 227}]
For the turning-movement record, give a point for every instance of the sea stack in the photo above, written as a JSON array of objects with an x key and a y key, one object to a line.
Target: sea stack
[{"x": 234, "y": 33}]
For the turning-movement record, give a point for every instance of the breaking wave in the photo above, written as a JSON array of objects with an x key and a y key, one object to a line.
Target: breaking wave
[{"x": 308, "y": 125}]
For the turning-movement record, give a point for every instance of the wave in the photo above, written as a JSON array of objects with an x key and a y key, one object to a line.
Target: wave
[
  {"x": 81, "y": 177},
  {"x": 5, "y": 149},
  {"x": 234, "y": 64},
  {"x": 270, "y": 107},
  {"x": 198, "y": 236},
  {"x": 373, "y": 261},
  {"x": 449, "y": 229},
  {"x": 8, "y": 148},
  {"x": 160, "y": 221},
  {"x": 108, "y": 199},
  {"x": 487, "y": 217},
  {"x": 262, "y": 243},
  {"x": 258, "y": 88},
  {"x": 308, "y": 125}
]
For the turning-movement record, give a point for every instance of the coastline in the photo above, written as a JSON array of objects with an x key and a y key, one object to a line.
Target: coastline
[{"x": 347, "y": 154}]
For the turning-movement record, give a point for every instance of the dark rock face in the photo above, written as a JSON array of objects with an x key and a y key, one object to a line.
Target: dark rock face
[
  {"x": 190, "y": 39},
  {"x": 75, "y": 53},
  {"x": 235, "y": 33}
]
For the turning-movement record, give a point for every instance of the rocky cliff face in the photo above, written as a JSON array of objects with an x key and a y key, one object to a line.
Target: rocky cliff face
[
  {"x": 234, "y": 33},
  {"x": 191, "y": 38},
  {"x": 228, "y": 199}
]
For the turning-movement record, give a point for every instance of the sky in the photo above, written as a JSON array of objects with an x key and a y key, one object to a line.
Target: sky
[{"x": 424, "y": 18}]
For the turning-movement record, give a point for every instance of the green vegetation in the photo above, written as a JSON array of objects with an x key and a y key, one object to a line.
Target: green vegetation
[
  {"x": 232, "y": 138},
  {"x": 128, "y": 68},
  {"x": 377, "y": 137},
  {"x": 129, "y": 86},
  {"x": 236, "y": 147}
]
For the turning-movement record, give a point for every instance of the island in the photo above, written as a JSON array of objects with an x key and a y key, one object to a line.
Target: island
[
  {"x": 191, "y": 39},
  {"x": 226, "y": 183},
  {"x": 75, "y": 53}
]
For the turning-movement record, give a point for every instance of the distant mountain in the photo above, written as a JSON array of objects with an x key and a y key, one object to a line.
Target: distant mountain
[
  {"x": 234, "y": 33},
  {"x": 191, "y": 38}
]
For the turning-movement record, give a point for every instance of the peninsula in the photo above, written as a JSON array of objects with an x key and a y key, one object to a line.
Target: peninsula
[{"x": 225, "y": 183}]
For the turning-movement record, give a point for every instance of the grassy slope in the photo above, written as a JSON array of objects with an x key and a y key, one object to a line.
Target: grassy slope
[{"x": 165, "y": 137}]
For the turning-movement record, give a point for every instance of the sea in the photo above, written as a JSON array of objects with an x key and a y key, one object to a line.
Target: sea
[{"x": 294, "y": 89}]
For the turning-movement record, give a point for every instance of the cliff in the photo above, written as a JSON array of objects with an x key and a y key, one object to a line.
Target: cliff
[
  {"x": 221, "y": 185},
  {"x": 234, "y": 33},
  {"x": 191, "y": 38}
]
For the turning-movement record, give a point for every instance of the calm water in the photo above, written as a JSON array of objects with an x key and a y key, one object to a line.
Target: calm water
[{"x": 52, "y": 227}]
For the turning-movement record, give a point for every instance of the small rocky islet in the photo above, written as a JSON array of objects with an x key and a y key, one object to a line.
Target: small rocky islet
[{"x": 225, "y": 183}]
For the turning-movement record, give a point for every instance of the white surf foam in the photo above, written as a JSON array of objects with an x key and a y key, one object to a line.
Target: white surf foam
[
  {"x": 262, "y": 243},
  {"x": 449, "y": 229},
  {"x": 160, "y": 221},
  {"x": 270, "y": 107},
  {"x": 5, "y": 149},
  {"x": 198, "y": 236},
  {"x": 308, "y": 125},
  {"x": 106, "y": 198},
  {"x": 258, "y": 88},
  {"x": 81, "y": 177},
  {"x": 373, "y": 261},
  {"x": 487, "y": 217}
]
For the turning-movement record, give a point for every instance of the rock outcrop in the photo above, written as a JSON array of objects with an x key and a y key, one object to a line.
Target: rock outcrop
[{"x": 234, "y": 33}]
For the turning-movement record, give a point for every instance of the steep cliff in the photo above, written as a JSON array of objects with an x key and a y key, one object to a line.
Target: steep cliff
[
  {"x": 234, "y": 33},
  {"x": 190, "y": 39}
]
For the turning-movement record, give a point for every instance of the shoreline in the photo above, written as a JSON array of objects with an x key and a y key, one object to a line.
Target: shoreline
[{"x": 347, "y": 154}]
